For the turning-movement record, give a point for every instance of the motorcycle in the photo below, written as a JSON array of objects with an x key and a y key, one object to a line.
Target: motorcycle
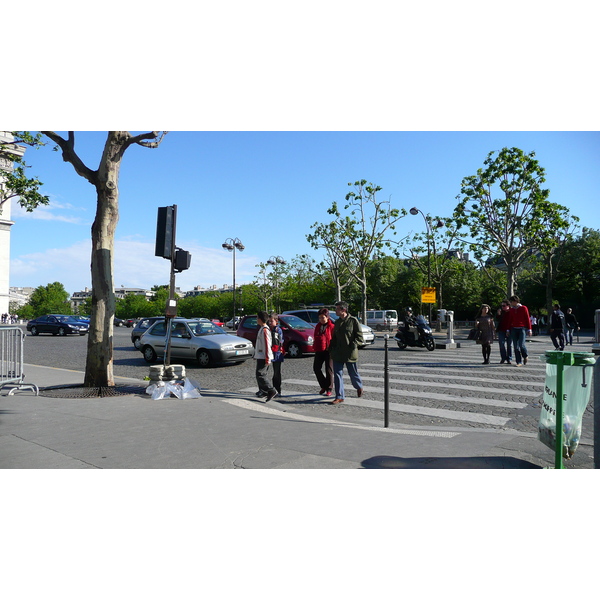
[{"x": 419, "y": 334}]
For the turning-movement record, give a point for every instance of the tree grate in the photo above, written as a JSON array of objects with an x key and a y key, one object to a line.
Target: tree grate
[{"x": 79, "y": 391}]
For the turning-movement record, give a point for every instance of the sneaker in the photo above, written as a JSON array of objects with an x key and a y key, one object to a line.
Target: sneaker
[
  {"x": 328, "y": 393},
  {"x": 518, "y": 365},
  {"x": 260, "y": 394},
  {"x": 322, "y": 392},
  {"x": 359, "y": 392},
  {"x": 271, "y": 395},
  {"x": 524, "y": 360}
]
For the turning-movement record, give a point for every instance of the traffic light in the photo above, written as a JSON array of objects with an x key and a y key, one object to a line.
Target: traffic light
[
  {"x": 165, "y": 226},
  {"x": 183, "y": 260}
]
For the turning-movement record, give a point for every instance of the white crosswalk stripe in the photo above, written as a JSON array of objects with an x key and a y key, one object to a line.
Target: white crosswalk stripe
[{"x": 442, "y": 378}]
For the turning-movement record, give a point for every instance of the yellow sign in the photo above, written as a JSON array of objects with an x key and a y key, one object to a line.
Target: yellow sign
[{"x": 428, "y": 295}]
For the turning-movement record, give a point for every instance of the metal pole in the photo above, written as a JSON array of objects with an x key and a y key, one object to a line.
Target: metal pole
[
  {"x": 234, "y": 286},
  {"x": 558, "y": 457},
  {"x": 386, "y": 385},
  {"x": 596, "y": 393},
  {"x": 168, "y": 318}
]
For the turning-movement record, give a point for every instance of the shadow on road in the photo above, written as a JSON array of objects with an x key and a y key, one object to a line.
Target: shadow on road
[{"x": 432, "y": 462}]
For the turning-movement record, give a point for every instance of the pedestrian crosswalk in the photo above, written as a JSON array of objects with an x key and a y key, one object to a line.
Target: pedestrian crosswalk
[{"x": 448, "y": 385}]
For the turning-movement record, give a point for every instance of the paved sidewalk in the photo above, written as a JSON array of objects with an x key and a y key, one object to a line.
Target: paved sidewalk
[{"x": 225, "y": 431}]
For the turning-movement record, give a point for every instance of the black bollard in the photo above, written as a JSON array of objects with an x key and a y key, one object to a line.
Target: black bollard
[{"x": 386, "y": 385}]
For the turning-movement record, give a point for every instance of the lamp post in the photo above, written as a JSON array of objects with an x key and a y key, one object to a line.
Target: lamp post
[
  {"x": 232, "y": 244},
  {"x": 276, "y": 260},
  {"x": 414, "y": 211}
]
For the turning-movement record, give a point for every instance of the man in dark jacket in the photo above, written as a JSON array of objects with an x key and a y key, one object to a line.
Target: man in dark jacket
[
  {"x": 572, "y": 325},
  {"x": 557, "y": 328},
  {"x": 346, "y": 338}
]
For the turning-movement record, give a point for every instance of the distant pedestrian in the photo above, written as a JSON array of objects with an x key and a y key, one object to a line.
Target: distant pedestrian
[
  {"x": 345, "y": 340},
  {"x": 503, "y": 330},
  {"x": 263, "y": 354},
  {"x": 484, "y": 323},
  {"x": 322, "y": 337},
  {"x": 520, "y": 327},
  {"x": 572, "y": 325},
  {"x": 535, "y": 328},
  {"x": 277, "y": 348},
  {"x": 558, "y": 327}
]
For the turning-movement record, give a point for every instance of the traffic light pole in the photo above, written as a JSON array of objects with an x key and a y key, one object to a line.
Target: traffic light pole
[{"x": 171, "y": 309}]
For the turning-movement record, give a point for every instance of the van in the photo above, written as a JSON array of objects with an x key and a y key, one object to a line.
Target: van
[{"x": 381, "y": 320}]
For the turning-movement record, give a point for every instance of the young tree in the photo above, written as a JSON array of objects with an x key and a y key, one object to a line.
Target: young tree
[
  {"x": 51, "y": 298},
  {"x": 504, "y": 209},
  {"x": 105, "y": 179},
  {"x": 356, "y": 238}
]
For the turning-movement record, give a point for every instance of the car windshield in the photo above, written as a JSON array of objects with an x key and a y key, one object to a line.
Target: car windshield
[
  {"x": 204, "y": 328},
  {"x": 295, "y": 322},
  {"x": 65, "y": 319}
]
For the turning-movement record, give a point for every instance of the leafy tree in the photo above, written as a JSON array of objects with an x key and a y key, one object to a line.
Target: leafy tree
[
  {"x": 50, "y": 298},
  {"x": 13, "y": 169},
  {"x": 105, "y": 180},
  {"x": 133, "y": 306},
  {"x": 504, "y": 209},
  {"x": 356, "y": 238}
]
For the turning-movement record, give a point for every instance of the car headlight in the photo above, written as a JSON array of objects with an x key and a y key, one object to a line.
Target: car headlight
[
  {"x": 227, "y": 347},
  {"x": 310, "y": 340}
]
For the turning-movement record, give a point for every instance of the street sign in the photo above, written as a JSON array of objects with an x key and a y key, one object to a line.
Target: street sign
[{"x": 428, "y": 295}]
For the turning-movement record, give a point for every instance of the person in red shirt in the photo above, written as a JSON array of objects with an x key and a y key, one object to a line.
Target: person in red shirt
[
  {"x": 520, "y": 328},
  {"x": 322, "y": 337}
]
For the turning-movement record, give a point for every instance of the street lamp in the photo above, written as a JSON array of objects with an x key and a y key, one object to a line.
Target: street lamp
[
  {"x": 416, "y": 211},
  {"x": 232, "y": 244},
  {"x": 276, "y": 260}
]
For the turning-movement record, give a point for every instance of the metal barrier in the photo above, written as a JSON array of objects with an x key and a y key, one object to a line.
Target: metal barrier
[{"x": 11, "y": 360}]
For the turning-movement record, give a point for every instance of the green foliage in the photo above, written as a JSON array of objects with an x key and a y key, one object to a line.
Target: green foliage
[
  {"x": 51, "y": 298},
  {"x": 17, "y": 184}
]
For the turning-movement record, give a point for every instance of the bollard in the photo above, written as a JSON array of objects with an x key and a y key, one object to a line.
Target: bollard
[
  {"x": 450, "y": 333},
  {"x": 386, "y": 385}
]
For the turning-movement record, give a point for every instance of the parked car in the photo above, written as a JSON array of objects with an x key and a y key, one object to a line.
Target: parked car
[
  {"x": 297, "y": 334},
  {"x": 311, "y": 315},
  {"x": 57, "y": 325},
  {"x": 140, "y": 328},
  {"x": 130, "y": 322},
  {"x": 382, "y": 320},
  {"x": 217, "y": 322},
  {"x": 233, "y": 322},
  {"x": 195, "y": 339}
]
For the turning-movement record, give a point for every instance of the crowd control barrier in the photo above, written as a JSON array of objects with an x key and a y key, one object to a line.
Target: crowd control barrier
[
  {"x": 11, "y": 361},
  {"x": 566, "y": 396}
]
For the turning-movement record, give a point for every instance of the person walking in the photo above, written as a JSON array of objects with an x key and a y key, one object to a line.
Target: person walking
[
  {"x": 572, "y": 325},
  {"x": 558, "y": 327},
  {"x": 484, "y": 323},
  {"x": 345, "y": 340},
  {"x": 263, "y": 354},
  {"x": 520, "y": 327},
  {"x": 277, "y": 348},
  {"x": 322, "y": 337},
  {"x": 503, "y": 330}
]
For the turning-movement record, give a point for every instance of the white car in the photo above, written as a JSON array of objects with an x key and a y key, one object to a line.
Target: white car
[{"x": 195, "y": 339}]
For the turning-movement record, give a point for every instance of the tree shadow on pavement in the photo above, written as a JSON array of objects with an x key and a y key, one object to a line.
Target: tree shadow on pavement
[{"x": 433, "y": 462}]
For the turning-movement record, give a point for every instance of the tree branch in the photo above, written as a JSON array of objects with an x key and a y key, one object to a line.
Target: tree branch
[{"x": 69, "y": 155}]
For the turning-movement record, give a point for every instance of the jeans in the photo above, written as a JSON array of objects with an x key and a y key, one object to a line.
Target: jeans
[
  {"x": 505, "y": 345},
  {"x": 558, "y": 339},
  {"x": 338, "y": 377},
  {"x": 570, "y": 335},
  {"x": 518, "y": 336},
  {"x": 262, "y": 376}
]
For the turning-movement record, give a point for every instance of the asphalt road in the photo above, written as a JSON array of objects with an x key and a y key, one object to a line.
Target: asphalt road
[{"x": 440, "y": 389}]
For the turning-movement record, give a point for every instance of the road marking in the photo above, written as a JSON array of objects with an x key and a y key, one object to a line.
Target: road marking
[
  {"x": 428, "y": 395},
  {"x": 453, "y": 386}
]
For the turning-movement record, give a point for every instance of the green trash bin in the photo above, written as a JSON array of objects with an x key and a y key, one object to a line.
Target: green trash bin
[{"x": 566, "y": 396}]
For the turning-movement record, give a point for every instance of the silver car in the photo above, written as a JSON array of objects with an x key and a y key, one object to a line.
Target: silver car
[{"x": 195, "y": 339}]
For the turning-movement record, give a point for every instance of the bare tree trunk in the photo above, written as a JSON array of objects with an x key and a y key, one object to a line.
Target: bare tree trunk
[{"x": 99, "y": 362}]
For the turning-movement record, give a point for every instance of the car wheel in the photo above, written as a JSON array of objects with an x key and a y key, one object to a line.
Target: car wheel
[
  {"x": 149, "y": 354},
  {"x": 204, "y": 359},
  {"x": 294, "y": 350},
  {"x": 34, "y": 331},
  {"x": 62, "y": 331},
  {"x": 137, "y": 343}
]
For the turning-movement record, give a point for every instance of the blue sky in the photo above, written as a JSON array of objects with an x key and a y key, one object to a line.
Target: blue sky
[{"x": 266, "y": 188}]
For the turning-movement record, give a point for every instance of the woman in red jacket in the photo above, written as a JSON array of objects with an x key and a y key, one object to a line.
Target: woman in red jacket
[
  {"x": 322, "y": 337},
  {"x": 520, "y": 327}
]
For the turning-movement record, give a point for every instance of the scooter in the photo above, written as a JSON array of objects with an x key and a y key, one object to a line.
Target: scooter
[{"x": 418, "y": 334}]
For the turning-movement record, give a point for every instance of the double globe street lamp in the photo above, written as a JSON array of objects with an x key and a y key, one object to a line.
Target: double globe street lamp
[{"x": 233, "y": 244}]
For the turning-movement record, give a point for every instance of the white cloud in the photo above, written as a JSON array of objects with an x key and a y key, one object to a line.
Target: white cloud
[
  {"x": 134, "y": 266},
  {"x": 48, "y": 212}
]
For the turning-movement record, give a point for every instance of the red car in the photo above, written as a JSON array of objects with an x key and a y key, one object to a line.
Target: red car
[
  {"x": 217, "y": 322},
  {"x": 297, "y": 334}
]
